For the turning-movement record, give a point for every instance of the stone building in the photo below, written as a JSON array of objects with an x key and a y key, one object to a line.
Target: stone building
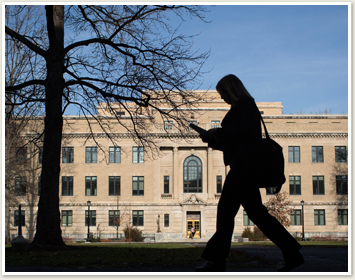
[{"x": 166, "y": 195}]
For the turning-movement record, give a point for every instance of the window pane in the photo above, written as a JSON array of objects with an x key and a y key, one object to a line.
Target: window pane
[
  {"x": 135, "y": 186},
  {"x": 290, "y": 154},
  {"x": 88, "y": 186},
  {"x": 64, "y": 219},
  {"x": 321, "y": 219},
  {"x": 112, "y": 155},
  {"x": 141, "y": 186},
  {"x": 166, "y": 184},
  {"x": 314, "y": 154},
  {"x": 94, "y": 155},
  {"x": 219, "y": 184},
  {"x": 166, "y": 220},
  {"x": 321, "y": 185},
  {"x": 316, "y": 218},
  {"x": 297, "y": 154},
  {"x": 94, "y": 184},
  {"x": 140, "y": 223},
  {"x": 141, "y": 155},
  {"x": 135, "y": 155},
  {"x": 320, "y": 154},
  {"x": 111, "y": 185},
  {"x": 88, "y": 155}
]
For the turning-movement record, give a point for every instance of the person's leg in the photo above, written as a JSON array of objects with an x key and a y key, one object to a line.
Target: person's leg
[
  {"x": 218, "y": 247},
  {"x": 271, "y": 227}
]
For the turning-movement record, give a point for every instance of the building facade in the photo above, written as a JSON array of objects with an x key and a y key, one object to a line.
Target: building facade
[{"x": 164, "y": 196}]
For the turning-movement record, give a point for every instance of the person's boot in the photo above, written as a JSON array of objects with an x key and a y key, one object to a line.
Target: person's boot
[
  {"x": 291, "y": 261},
  {"x": 212, "y": 267}
]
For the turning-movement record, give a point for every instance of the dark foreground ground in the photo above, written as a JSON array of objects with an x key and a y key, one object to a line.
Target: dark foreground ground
[{"x": 317, "y": 260}]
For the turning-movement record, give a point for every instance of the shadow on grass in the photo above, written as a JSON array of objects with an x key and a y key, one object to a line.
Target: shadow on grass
[{"x": 121, "y": 256}]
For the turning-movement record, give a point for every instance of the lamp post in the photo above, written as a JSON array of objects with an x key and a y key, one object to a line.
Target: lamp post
[
  {"x": 302, "y": 203},
  {"x": 88, "y": 203}
]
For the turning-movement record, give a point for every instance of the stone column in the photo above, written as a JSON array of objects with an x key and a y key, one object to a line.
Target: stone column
[
  {"x": 175, "y": 189},
  {"x": 210, "y": 184}
]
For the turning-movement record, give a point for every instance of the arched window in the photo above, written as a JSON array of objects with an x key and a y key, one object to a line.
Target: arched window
[{"x": 192, "y": 175}]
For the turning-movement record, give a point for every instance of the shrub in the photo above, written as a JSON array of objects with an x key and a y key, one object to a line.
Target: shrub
[
  {"x": 258, "y": 235},
  {"x": 133, "y": 233},
  {"x": 93, "y": 237},
  {"x": 247, "y": 233}
]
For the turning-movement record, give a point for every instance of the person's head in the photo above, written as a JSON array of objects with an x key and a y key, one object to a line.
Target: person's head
[{"x": 232, "y": 89}]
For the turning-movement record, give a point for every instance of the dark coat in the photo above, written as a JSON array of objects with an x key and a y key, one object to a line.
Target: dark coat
[{"x": 240, "y": 128}]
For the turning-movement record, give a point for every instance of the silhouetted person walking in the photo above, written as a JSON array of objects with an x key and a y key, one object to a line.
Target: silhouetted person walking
[{"x": 240, "y": 128}]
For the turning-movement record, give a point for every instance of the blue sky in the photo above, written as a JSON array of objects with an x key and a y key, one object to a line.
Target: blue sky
[{"x": 296, "y": 54}]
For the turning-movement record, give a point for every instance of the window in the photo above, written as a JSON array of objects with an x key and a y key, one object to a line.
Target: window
[
  {"x": 318, "y": 185},
  {"x": 296, "y": 218},
  {"x": 216, "y": 124},
  {"x": 219, "y": 183},
  {"x": 295, "y": 185},
  {"x": 246, "y": 220},
  {"x": 90, "y": 218},
  {"x": 67, "y": 154},
  {"x": 67, "y": 218},
  {"x": 166, "y": 184},
  {"x": 115, "y": 154},
  {"x": 168, "y": 125},
  {"x": 319, "y": 217},
  {"x": 67, "y": 185},
  {"x": 340, "y": 154},
  {"x": 138, "y": 154},
  {"x": 20, "y": 186},
  {"x": 342, "y": 217},
  {"x": 16, "y": 218},
  {"x": 137, "y": 218},
  {"x": 166, "y": 220},
  {"x": 138, "y": 185},
  {"x": 114, "y": 218},
  {"x": 40, "y": 155},
  {"x": 192, "y": 175},
  {"x": 293, "y": 154},
  {"x": 114, "y": 185},
  {"x": 342, "y": 184},
  {"x": 21, "y": 153},
  {"x": 90, "y": 185},
  {"x": 317, "y": 154},
  {"x": 91, "y": 155}
]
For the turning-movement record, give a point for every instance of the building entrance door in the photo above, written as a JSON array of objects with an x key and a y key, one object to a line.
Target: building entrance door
[
  {"x": 196, "y": 225},
  {"x": 193, "y": 220}
]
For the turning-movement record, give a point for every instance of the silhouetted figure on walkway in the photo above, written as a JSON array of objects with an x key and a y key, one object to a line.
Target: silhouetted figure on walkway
[
  {"x": 192, "y": 233},
  {"x": 241, "y": 127}
]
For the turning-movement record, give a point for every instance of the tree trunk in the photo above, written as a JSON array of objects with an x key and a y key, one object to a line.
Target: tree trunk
[{"x": 48, "y": 231}]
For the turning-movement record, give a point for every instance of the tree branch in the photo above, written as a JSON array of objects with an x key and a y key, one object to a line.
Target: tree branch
[
  {"x": 26, "y": 42},
  {"x": 140, "y": 102},
  {"x": 25, "y": 84}
]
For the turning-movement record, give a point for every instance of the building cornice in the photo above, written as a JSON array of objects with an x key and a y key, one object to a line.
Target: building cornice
[{"x": 193, "y": 135}]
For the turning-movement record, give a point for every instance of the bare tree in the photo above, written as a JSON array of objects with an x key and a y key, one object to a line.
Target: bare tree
[
  {"x": 280, "y": 208},
  {"x": 21, "y": 153},
  {"x": 339, "y": 181},
  {"x": 125, "y": 55}
]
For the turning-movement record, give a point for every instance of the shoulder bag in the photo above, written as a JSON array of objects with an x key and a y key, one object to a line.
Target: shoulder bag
[{"x": 268, "y": 164}]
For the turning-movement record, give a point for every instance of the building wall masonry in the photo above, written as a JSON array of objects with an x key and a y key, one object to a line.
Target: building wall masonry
[{"x": 167, "y": 214}]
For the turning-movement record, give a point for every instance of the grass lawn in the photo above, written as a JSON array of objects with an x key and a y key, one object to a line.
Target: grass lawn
[{"x": 125, "y": 254}]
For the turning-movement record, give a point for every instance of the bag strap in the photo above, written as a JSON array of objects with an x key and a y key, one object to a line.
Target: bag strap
[{"x": 266, "y": 133}]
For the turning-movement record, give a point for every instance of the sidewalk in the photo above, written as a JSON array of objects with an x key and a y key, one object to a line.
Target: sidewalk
[{"x": 317, "y": 260}]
